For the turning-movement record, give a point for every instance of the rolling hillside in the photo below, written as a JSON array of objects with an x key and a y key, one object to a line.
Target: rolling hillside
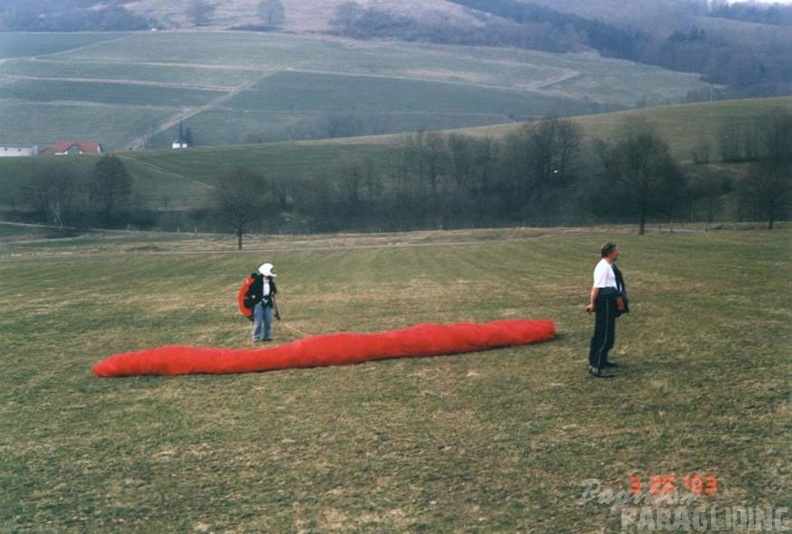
[
  {"x": 181, "y": 176},
  {"x": 128, "y": 91}
]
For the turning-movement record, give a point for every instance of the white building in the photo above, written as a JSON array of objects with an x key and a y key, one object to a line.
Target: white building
[{"x": 9, "y": 151}]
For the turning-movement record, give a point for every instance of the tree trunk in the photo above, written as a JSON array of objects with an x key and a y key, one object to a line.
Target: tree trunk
[{"x": 642, "y": 223}]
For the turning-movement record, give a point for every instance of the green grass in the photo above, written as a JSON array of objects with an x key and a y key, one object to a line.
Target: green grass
[
  {"x": 682, "y": 126},
  {"x": 167, "y": 75},
  {"x": 110, "y": 125},
  {"x": 104, "y": 93},
  {"x": 496, "y": 441},
  {"x": 18, "y": 45},
  {"x": 294, "y": 75},
  {"x": 340, "y": 94},
  {"x": 225, "y": 127}
]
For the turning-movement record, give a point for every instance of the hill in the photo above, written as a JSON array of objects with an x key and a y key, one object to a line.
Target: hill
[
  {"x": 132, "y": 90},
  {"x": 302, "y": 16},
  {"x": 179, "y": 178}
]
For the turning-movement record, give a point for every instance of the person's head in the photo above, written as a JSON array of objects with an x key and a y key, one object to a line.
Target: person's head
[
  {"x": 266, "y": 270},
  {"x": 610, "y": 251}
]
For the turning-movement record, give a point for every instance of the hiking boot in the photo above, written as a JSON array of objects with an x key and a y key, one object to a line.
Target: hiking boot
[{"x": 600, "y": 373}]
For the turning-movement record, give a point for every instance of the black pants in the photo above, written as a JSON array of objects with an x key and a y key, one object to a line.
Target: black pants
[{"x": 604, "y": 331}]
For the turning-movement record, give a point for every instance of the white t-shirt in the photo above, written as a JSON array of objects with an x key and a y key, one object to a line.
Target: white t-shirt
[{"x": 603, "y": 275}]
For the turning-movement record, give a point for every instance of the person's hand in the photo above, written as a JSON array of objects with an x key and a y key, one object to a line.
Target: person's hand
[{"x": 589, "y": 308}]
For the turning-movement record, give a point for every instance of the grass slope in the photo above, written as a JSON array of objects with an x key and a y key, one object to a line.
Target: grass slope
[
  {"x": 243, "y": 80},
  {"x": 498, "y": 441},
  {"x": 682, "y": 126}
]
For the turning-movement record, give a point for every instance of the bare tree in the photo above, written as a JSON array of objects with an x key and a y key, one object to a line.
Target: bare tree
[
  {"x": 110, "y": 187},
  {"x": 53, "y": 193},
  {"x": 537, "y": 166},
  {"x": 200, "y": 12},
  {"x": 554, "y": 147},
  {"x": 768, "y": 184},
  {"x": 240, "y": 199},
  {"x": 640, "y": 176},
  {"x": 272, "y": 11}
]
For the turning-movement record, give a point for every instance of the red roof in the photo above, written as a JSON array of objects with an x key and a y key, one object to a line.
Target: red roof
[{"x": 83, "y": 147}]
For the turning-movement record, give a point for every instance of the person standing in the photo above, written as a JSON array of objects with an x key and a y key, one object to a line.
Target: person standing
[
  {"x": 607, "y": 300},
  {"x": 262, "y": 292}
]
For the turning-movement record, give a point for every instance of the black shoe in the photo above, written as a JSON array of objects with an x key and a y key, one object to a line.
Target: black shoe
[
  {"x": 600, "y": 373},
  {"x": 610, "y": 364}
]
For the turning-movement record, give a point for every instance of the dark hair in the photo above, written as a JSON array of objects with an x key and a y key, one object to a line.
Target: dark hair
[{"x": 607, "y": 248}]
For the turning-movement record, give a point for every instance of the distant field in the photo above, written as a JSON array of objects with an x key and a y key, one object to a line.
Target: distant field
[
  {"x": 229, "y": 127},
  {"x": 682, "y": 126},
  {"x": 367, "y": 94},
  {"x": 108, "y": 124},
  {"x": 182, "y": 175},
  {"x": 16, "y": 45},
  {"x": 118, "y": 94},
  {"x": 497, "y": 441},
  {"x": 166, "y": 75},
  {"x": 184, "y": 71}
]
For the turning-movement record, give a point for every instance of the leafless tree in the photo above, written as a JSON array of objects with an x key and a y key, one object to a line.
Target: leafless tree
[
  {"x": 768, "y": 184},
  {"x": 240, "y": 198},
  {"x": 640, "y": 175},
  {"x": 272, "y": 11},
  {"x": 200, "y": 12},
  {"x": 110, "y": 187}
]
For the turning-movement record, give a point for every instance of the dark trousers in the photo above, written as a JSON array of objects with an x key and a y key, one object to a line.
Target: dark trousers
[{"x": 604, "y": 331}]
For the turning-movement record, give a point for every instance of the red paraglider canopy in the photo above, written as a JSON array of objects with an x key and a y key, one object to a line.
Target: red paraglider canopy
[
  {"x": 247, "y": 312},
  {"x": 333, "y": 349}
]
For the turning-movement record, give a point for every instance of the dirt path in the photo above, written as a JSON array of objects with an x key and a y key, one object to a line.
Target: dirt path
[
  {"x": 539, "y": 85},
  {"x": 140, "y": 142}
]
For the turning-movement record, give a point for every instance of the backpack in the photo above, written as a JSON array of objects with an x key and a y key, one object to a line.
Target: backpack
[{"x": 244, "y": 301}]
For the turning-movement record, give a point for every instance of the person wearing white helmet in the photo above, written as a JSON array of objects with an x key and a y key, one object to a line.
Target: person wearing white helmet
[{"x": 261, "y": 292}]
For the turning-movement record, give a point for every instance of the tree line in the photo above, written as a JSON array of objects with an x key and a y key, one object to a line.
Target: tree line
[
  {"x": 545, "y": 174},
  {"x": 70, "y": 16},
  {"x": 62, "y": 196},
  {"x": 111, "y": 15}
]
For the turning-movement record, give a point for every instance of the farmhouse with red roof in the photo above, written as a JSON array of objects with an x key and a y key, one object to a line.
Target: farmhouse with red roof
[{"x": 73, "y": 147}]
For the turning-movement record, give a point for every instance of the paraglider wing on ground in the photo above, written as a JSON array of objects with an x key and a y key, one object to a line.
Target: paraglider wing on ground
[{"x": 345, "y": 348}]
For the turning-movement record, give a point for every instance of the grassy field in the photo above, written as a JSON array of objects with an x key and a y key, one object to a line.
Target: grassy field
[
  {"x": 493, "y": 442},
  {"x": 27, "y": 45},
  {"x": 236, "y": 76},
  {"x": 682, "y": 126}
]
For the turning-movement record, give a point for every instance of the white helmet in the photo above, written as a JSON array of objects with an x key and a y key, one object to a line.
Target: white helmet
[{"x": 266, "y": 270}]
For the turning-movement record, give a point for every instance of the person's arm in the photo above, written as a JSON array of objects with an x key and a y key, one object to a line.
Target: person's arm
[{"x": 592, "y": 299}]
